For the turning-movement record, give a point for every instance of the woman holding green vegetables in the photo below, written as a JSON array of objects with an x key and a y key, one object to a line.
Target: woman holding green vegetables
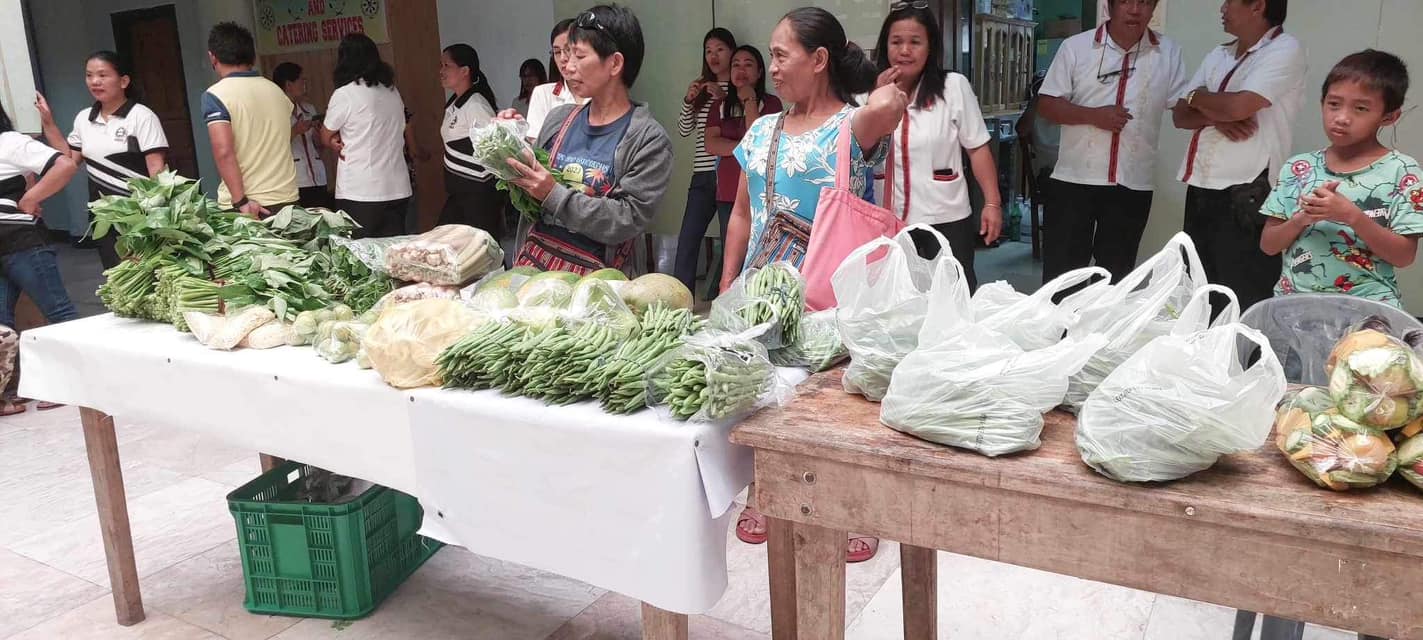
[
  {"x": 470, "y": 194},
  {"x": 616, "y": 155}
]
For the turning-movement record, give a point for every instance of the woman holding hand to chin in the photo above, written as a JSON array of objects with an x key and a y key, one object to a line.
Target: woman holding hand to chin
[{"x": 943, "y": 121}]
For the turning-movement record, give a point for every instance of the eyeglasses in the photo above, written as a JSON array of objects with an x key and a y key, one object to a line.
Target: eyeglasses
[
  {"x": 560, "y": 52},
  {"x": 1108, "y": 77},
  {"x": 917, "y": 4},
  {"x": 589, "y": 20}
]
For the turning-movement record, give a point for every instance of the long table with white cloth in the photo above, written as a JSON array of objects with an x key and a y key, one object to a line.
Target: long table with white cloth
[{"x": 634, "y": 504}]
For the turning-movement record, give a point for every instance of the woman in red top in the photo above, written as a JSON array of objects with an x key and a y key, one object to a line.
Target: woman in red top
[{"x": 727, "y": 122}]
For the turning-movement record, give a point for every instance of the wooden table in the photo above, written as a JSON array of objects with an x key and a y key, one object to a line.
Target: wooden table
[{"x": 1250, "y": 533}]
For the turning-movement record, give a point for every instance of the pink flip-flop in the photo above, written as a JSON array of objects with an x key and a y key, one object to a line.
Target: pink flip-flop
[
  {"x": 866, "y": 549},
  {"x": 749, "y": 534}
]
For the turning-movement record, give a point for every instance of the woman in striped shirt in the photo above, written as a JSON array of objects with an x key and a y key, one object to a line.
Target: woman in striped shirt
[{"x": 706, "y": 90}]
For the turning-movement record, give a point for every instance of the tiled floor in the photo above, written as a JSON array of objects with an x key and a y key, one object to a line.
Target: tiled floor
[{"x": 53, "y": 582}]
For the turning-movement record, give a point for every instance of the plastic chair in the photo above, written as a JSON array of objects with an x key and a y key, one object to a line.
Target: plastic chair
[{"x": 1303, "y": 329}]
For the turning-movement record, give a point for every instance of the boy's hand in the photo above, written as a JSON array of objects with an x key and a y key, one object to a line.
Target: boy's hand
[{"x": 1325, "y": 203}]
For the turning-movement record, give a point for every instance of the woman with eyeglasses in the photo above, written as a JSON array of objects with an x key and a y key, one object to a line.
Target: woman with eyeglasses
[
  {"x": 709, "y": 88},
  {"x": 555, "y": 93},
  {"x": 1109, "y": 89},
  {"x": 619, "y": 156},
  {"x": 817, "y": 71},
  {"x": 531, "y": 75},
  {"x": 727, "y": 123},
  {"x": 472, "y": 197},
  {"x": 925, "y": 184}
]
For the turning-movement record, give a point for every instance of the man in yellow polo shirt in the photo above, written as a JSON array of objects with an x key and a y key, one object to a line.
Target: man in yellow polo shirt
[{"x": 249, "y": 122}]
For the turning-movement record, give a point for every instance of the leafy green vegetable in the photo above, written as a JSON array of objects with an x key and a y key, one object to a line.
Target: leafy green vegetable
[{"x": 529, "y": 208}]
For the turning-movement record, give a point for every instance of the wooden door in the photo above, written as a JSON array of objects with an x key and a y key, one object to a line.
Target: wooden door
[{"x": 148, "y": 38}]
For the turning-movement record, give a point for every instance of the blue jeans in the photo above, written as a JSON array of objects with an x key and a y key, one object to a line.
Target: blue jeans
[
  {"x": 34, "y": 271},
  {"x": 701, "y": 207}
]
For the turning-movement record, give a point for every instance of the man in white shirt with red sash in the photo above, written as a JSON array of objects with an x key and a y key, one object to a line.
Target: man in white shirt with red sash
[
  {"x": 1109, "y": 89},
  {"x": 1241, "y": 106}
]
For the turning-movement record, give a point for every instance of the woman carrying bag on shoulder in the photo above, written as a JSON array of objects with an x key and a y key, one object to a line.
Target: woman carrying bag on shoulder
[
  {"x": 619, "y": 154},
  {"x": 790, "y": 157},
  {"x": 925, "y": 178}
]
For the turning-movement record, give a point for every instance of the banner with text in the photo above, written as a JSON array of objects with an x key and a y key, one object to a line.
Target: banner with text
[{"x": 284, "y": 26}]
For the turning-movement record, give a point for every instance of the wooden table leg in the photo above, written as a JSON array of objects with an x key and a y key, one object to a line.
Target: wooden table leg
[
  {"x": 819, "y": 582},
  {"x": 780, "y": 560},
  {"x": 659, "y": 624},
  {"x": 919, "y": 573},
  {"x": 271, "y": 462},
  {"x": 103, "y": 448}
]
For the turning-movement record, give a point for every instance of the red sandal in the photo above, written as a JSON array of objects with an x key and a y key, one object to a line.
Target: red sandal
[
  {"x": 861, "y": 548},
  {"x": 755, "y": 533},
  {"x": 13, "y": 408}
]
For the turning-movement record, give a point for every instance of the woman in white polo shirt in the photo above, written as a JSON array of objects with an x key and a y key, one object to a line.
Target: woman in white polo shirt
[
  {"x": 472, "y": 195},
  {"x": 555, "y": 93},
  {"x": 365, "y": 124},
  {"x": 117, "y": 139},
  {"x": 923, "y": 178}
]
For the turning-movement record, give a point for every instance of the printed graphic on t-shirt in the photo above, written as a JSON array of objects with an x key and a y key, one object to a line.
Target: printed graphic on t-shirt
[{"x": 592, "y": 174}]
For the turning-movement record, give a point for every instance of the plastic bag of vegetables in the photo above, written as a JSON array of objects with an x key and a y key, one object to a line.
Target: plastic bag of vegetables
[
  {"x": 1181, "y": 402},
  {"x": 451, "y": 254},
  {"x": 884, "y": 289},
  {"x": 773, "y": 295},
  {"x": 1376, "y": 379},
  {"x": 976, "y": 389},
  {"x": 817, "y": 347},
  {"x": 594, "y": 301},
  {"x": 1035, "y": 321},
  {"x": 499, "y": 141},
  {"x": 714, "y": 375},
  {"x": 370, "y": 251},
  {"x": 1328, "y": 448},
  {"x": 403, "y": 343},
  {"x": 342, "y": 341},
  {"x": 1410, "y": 454},
  {"x": 1142, "y": 307}
]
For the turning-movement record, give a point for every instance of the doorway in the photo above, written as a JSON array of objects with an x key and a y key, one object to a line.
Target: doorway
[{"x": 148, "y": 39}]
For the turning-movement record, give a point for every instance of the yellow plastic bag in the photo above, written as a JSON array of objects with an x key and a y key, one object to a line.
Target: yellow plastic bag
[{"x": 403, "y": 343}]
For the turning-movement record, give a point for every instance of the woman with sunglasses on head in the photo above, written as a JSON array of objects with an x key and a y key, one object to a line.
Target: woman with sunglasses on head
[
  {"x": 923, "y": 181},
  {"x": 727, "y": 124},
  {"x": 619, "y": 155},
  {"x": 472, "y": 197},
  {"x": 555, "y": 93},
  {"x": 708, "y": 89},
  {"x": 1109, "y": 88},
  {"x": 818, "y": 73},
  {"x": 117, "y": 139}
]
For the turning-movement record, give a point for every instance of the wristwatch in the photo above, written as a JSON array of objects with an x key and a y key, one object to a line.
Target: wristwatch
[
  {"x": 238, "y": 204},
  {"x": 1191, "y": 97}
]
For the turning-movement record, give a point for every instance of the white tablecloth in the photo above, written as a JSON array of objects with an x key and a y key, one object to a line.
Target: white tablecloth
[{"x": 634, "y": 504}]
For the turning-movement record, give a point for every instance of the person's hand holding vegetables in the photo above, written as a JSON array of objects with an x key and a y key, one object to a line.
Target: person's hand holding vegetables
[{"x": 533, "y": 178}]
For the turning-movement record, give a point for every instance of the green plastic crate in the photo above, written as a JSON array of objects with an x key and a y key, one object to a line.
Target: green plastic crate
[{"x": 324, "y": 560}]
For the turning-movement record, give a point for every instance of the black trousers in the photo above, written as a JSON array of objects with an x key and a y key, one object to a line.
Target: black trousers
[
  {"x": 1225, "y": 225},
  {"x": 963, "y": 240},
  {"x": 1092, "y": 224},
  {"x": 377, "y": 219},
  {"x": 477, "y": 204},
  {"x": 315, "y": 197}
]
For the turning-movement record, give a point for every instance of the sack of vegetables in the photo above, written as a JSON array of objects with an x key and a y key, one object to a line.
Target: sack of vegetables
[
  {"x": 714, "y": 375},
  {"x": 773, "y": 295},
  {"x": 403, "y": 343},
  {"x": 1181, "y": 402},
  {"x": 1375, "y": 379},
  {"x": 817, "y": 346},
  {"x": 1328, "y": 448},
  {"x": 977, "y": 390},
  {"x": 497, "y": 142},
  {"x": 450, "y": 254}
]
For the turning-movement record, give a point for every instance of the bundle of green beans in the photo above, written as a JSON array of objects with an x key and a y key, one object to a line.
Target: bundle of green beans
[
  {"x": 711, "y": 379},
  {"x": 481, "y": 359},
  {"x": 625, "y": 375},
  {"x": 781, "y": 291},
  {"x": 576, "y": 376},
  {"x": 527, "y": 354}
]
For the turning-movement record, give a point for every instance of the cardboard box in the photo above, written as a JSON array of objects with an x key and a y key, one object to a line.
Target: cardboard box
[{"x": 1062, "y": 28}]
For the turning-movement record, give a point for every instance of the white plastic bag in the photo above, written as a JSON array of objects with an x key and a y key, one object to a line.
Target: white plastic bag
[
  {"x": 1145, "y": 305},
  {"x": 977, "y": 390},
  {"x": 451, "y": 255},
  {"x": 773, "y": 295},
  {"x": 1183, "y": 400},
  {"x": 493, "y": 144},
  {"x": 1035, "y": 321},
  {"x": 884, "y": 290}
]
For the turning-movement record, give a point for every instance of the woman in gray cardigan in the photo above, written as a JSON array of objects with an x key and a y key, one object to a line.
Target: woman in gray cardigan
[{"x": 617, "y": 156}]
